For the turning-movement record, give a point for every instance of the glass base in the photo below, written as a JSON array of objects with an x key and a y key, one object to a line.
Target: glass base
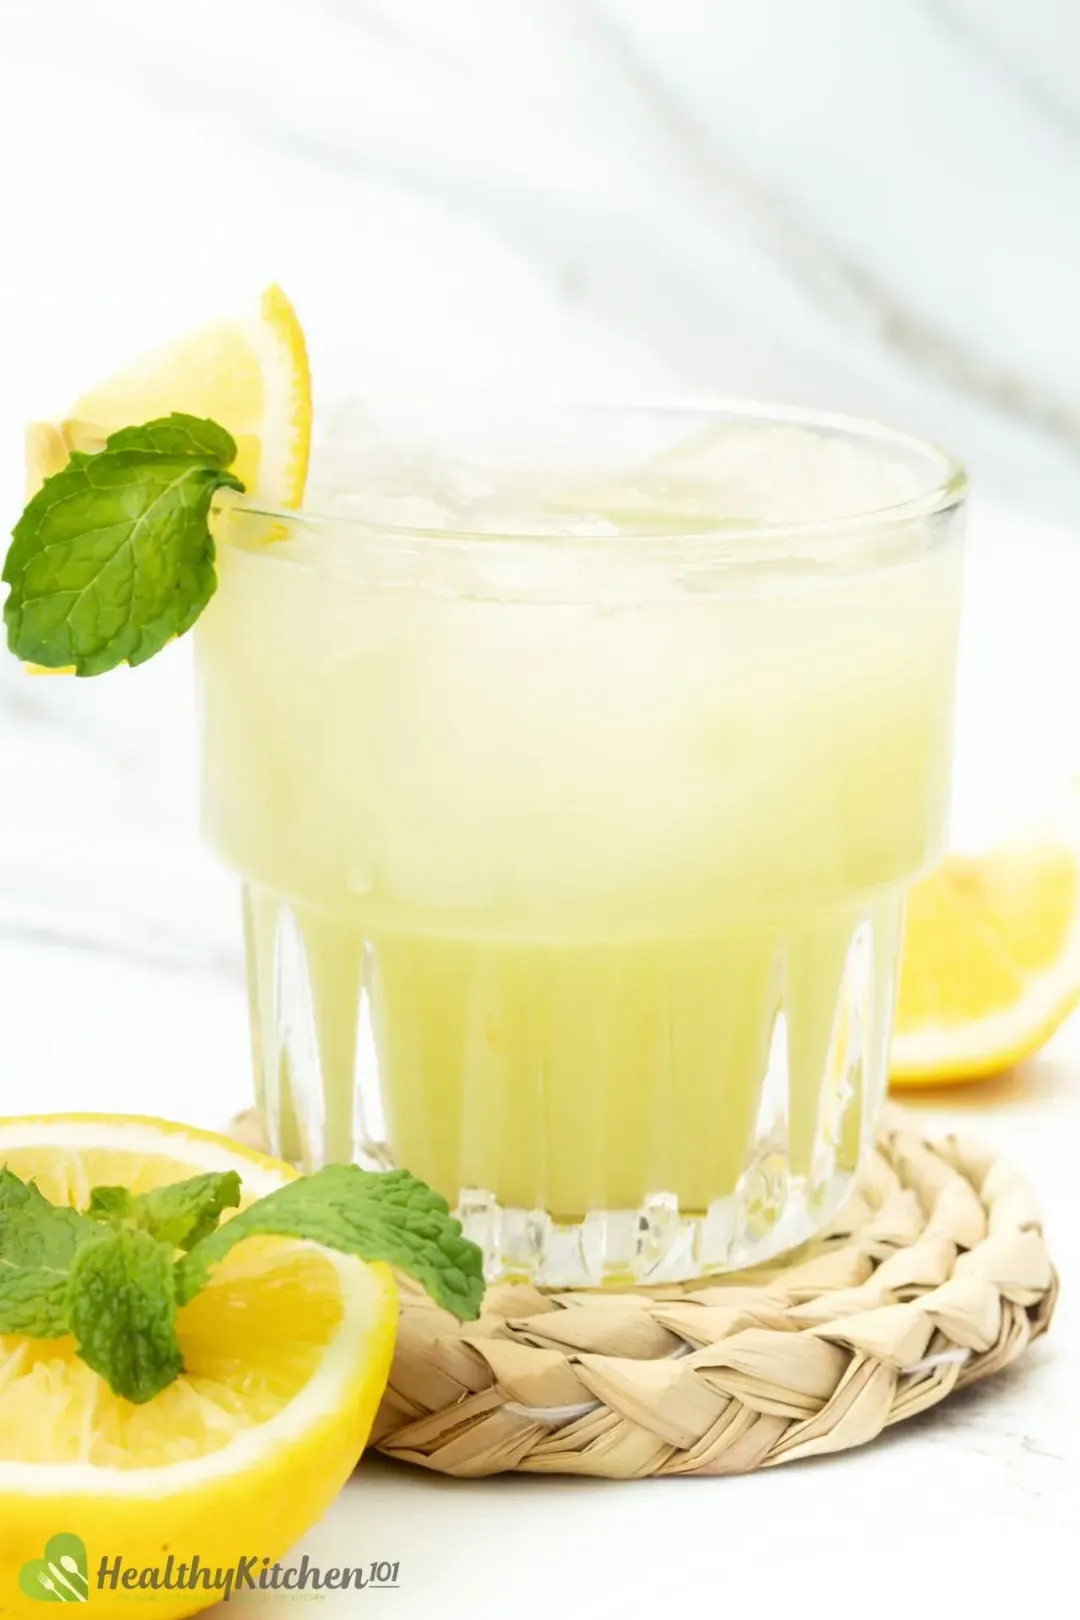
[
  {"x": 617, "y": 1111},
  {"x": 655, "y": 1243}
]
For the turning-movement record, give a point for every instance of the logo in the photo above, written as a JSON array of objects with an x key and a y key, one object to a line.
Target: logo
[{"x": 60, "y": 1576}]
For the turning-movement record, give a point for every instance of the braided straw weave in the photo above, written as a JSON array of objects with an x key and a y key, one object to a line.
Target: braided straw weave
[{"x": 934, "y": 1274}]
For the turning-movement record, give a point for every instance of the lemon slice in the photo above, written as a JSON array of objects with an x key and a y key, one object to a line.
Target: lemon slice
[
  {"x": 991, "y": 960},
  {"x": 286, "y": 1354},
  {"x": 249, "y": 374}
]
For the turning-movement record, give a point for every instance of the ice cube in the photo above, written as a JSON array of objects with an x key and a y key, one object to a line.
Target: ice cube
[
  {"x": 378, "y": 470},
  {"x": 772, "y": 474},
  {"x": 403, "y": 473}
]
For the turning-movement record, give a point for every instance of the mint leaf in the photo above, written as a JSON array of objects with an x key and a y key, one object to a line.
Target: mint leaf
[
  {"x": 121, "y": 1301},
  {"x": 179, "y": 1214},
  {"x": 194, "y": 438},
  {"x": 38, "y": 1246},
  {"x": 109, "y": 1276},
  {"x": 113, "y": 1205},
  {"x": 377, "y": 1215},
  {"x": 113, "y": 556},
  {"x": 185, "y": 1212}
]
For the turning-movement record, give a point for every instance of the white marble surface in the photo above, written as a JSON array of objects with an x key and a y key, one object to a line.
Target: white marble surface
[{"x": 863, "y": 206}]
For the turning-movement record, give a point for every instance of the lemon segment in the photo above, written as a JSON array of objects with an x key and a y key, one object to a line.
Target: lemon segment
[
  {"x": 991, "y": 960},
  {"x": 249, "y": 374},
  {"x": 286, "y": 1354}
]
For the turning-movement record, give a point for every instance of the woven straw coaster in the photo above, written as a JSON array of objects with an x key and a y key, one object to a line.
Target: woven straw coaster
[{"x": 934, "y": 1274}]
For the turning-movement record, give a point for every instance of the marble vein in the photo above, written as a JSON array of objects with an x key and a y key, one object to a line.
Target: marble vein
[
  {"x": 976, "y": 35},
  {"x": 842, "y": 284},
  {"x": 752, "y": 233}
]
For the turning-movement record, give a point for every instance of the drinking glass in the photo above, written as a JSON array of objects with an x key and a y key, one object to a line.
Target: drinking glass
[{"x": 575, "y": 763}]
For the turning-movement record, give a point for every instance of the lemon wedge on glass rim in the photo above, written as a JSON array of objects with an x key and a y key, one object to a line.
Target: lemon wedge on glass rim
[
  {"x": 250, "y": 374},
  {"x": 286, "y": 1354},
  {"x": 990, "y": 966}
]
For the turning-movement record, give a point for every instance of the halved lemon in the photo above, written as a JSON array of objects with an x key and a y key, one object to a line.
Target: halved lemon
[
  {"x": 286, "y": 1354},
  {"x": 991, "y": 960},
  {"x": 250, "y": 374}
]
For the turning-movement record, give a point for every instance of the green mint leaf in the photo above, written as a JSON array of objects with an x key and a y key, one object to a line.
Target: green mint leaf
[
  {"x": 185, "y": 1212},
  {"x": 109, "y": 1276},
  {"x": 193, "y": 438},
  {"x": 377, "y": 1215},
  {"x": 113, "y": 556},
  {"x": 121, "y": 1300},
  {"x": 113, "y": 1205},
  {"x": 38, "y": 1246},
  {"x": 179, "y": 1214}
]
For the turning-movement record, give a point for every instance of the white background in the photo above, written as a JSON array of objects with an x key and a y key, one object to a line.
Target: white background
[{"x": 845, "y": 203}]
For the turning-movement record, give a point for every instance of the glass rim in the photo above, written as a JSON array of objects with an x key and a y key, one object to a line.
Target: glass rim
[{"x": 946, "y": 489}]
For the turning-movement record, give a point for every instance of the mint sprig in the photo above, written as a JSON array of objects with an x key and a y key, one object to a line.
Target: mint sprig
[
  {"x": 113, "y": 556},
  {"x": 115, "y": 1274},
  {"x": 179, "y": 1214}
]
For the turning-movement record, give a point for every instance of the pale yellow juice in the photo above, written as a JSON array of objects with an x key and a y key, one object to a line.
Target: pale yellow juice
[{"x": 577, "y": 886}]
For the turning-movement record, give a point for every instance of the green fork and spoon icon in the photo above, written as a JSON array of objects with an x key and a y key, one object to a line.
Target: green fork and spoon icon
[{"x": 60, "y": 1576}]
